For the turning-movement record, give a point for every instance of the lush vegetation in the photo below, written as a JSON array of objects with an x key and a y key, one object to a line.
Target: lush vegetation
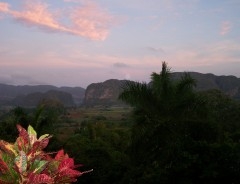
[
  {"x": 172, "y": 134},
  {"x": 25, "y": 162},
  {"x": 95, "y": 137},
  {"x": 180, "y": 135}
]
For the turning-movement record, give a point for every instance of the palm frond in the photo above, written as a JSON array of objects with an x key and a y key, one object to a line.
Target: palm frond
[
  {"x": 161, "y": 83},
  {"x": 136, "y": 94},
  {"x": 186, "y": 82}
]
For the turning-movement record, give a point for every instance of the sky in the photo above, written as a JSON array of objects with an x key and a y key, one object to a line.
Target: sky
[{"x": 79, "y": 42}]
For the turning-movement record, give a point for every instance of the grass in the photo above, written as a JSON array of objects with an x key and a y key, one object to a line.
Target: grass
[{"x": 75, "y": 117}]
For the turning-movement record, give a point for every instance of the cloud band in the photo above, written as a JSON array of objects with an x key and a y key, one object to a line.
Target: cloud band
[{"x": 88, "y": 19}]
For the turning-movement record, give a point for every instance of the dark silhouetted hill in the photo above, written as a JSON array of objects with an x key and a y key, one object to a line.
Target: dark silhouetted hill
[
  {"x": 106, "y": 93},
  {"x": 10, "y": 94},
  {"x": 230, "y": 85},
  {"x": 33, "y": 99}
]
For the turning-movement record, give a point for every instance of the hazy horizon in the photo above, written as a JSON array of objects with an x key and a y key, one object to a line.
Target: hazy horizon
[
  {"x": 84, "y": 87},
  {"x": 79, "y": 42}
]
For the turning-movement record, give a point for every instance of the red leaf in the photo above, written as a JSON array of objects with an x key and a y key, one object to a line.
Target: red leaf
[
  {"x": 43, "y": 143},
  {"x": 23, "y": 133},
  {"x": 35, "y": 147},
  {"x": 65, "y": 164},
  {"x": 39, "y": 179},
  {"x": 67, "y": 175},
  {"x": 66, "y": 171},
  {"x": 20, "y": 143},
  {"x": 60, "y": 155}
]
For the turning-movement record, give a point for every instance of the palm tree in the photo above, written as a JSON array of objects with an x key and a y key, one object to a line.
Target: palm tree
[
  {"x": 158, "y": 107},
  {"x": 162, "y": 96}
]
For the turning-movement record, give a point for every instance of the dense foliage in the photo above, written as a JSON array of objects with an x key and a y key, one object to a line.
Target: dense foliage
[
  {"x": 25, "y": 162},
  {"x": 180, "y": 135}
]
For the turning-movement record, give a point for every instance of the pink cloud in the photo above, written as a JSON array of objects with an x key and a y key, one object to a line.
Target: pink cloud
[
  {"x": 88, "y": 20},
  {"x": 225, "y": 27},
  {"x": 4, "y": 7},
  {"x": 91, "y": 21},
  {"x": 37, "y": 14}
]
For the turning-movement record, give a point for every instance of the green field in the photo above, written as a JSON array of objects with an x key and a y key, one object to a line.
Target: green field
[{"x": 74, "y": 118}]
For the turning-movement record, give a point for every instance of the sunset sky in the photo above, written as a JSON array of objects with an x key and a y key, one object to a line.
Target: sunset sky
[{"x": 78, "y": 42}]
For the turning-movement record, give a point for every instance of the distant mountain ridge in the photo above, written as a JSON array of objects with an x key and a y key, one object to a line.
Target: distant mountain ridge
[
  {"x": 106, "y": 93},
  {"x": 230, "y": 85},
  {"x": 18, "y": 95}
]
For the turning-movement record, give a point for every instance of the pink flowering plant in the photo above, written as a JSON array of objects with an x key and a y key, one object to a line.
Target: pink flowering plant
[{"x": 25, "y": 162}]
